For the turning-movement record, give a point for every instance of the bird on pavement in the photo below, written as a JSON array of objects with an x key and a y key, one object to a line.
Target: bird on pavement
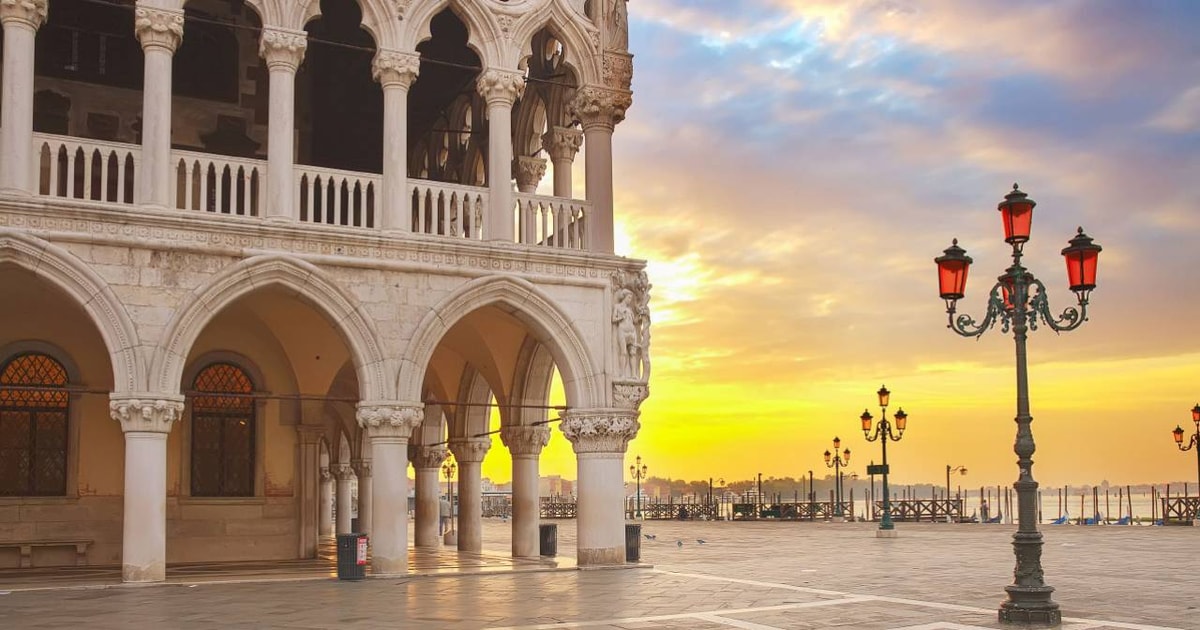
[
  {"x": 701, "y": 541},
  {"x": 678, "y": 543},
  {"x": 650, "y": 536}
]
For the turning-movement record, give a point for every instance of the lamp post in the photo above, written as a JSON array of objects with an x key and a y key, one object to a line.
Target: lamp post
[
  {"x": 836, "y": 460},
  {"x": 448, "y": 469},
  {"x": 1018, "y": 300},
  {"x": 883, "y": 433},
  {"x": 638, "y": 472},
  {"x": 1193, "y": 442},
  {"x": 951, "y": 469}
]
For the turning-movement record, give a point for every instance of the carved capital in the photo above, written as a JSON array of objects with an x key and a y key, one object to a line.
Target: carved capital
[
  {"x": 600, "y": 430},
  {"x": 326, "y": 474},
  {"x": 525, "y": 440},
  {"x": 283, "y": 48},
  {"x": 392, "y": 67},
  {"x": 630, "y": 394},
  {"x": 362, "y": 467},
  {"x": 501, "y": 86},
  {"x": 470, "y": 449},
  {"x": 617, "y": 70},
  {"x": 146, "y": 413},
  {"x": 343, "y": 472},
  {"x": 30, "y": 13},
  {"x": 562, "y": 143},
  {"x": 528, "y": 171},
  {"x": 426, "y": 456},
  {"x": 158, "y": 28},
  {"x": 600, "y": 107},
  {"x": 389, "y": 420}
]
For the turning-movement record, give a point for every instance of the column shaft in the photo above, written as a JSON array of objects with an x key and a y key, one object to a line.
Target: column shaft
[
  {"x": 598, "y": 174},
  {"x": 160, "y": 32},
  {"x": 600, "y": 510},
  {"x": 344, "y": 509},
  {"x": 16, "y": 122},
  {"x": 562, "y": 177},
  {"x": 389, "y": 541},
  {"x": 395, "y": 158},
  {"x": 365, "y": 503},
  {"x": 144, "y": 539},
  {"x": 281, "y": 152},
  {"x": 309, "y": 491},
  {"x": 501, "y": 212},
  {"x": 470, "y": 506},
  {"x": 325, "y": 517},
  {"x": 428, "y": 508},
  {"x": 526, "y": 512}
]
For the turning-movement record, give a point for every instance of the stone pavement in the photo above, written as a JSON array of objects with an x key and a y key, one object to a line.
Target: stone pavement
[{"x": 745, "y": 575}]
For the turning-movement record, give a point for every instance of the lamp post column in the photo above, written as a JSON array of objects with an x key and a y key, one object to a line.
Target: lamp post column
[
  {"x": 21, "y": 21},
  {"x": 525, "y": 443}
]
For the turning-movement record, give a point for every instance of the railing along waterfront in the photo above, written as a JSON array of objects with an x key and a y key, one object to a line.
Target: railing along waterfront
[
  {"x": 556, "y": 507},
  {"x": 1180, "y": 510},
  {"x": 802, "y": 511},
  {"x": 216, "y": 183},
  {"x": 551, "y": 221},
  {"x": 336, "y": 197},
  {"x": 917, "y": 510},
  {"x": 79, "y": 168},
  {"x": 447, "y": 209}
]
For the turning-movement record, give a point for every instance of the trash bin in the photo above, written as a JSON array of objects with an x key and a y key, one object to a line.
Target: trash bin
[
  {"x": 633, "y": 542},
  {"x": 548, "y": 539},
  {"x": 351, "y": 556}
]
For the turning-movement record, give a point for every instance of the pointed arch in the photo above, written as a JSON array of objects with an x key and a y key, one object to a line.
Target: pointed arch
[
  {"x": 579, "y": 36},
  {"x": 483, "y": 35},
  {"x": 302, "y": 278},
  {"x": 529, "y": 305},
  {"x": 65, "y": 271}
]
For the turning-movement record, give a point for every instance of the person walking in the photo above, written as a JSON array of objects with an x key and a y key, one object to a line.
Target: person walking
[{"x": 444, "y": 511}]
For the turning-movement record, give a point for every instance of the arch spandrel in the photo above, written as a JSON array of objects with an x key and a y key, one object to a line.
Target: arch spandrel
[
  {"x": 65, "y": 271},
  {"x": 581, "y": 377},
  {"x": 304, "y": 280},
  {"x": 580, "y": 38}
]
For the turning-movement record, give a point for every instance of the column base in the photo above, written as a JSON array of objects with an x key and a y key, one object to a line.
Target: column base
[
  {"x": 131, "y": 574},
  {"x": 1030, "y": 605},
  {"x": 885, "y": 533},
  {"x": 601, "y": 557}
]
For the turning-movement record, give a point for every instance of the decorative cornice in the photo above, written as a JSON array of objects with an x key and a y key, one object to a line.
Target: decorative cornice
[
  {"x": 158, "y": 28},
  {"x": 529, "y": 172},
  {"x": 146, "y": 413},
  {"x": 501, "y": 86},
  {"x": 600, "y": 107},
  {"x": 426, "y": 456},
  {"x": 600, "y": 430},
  {"x": 392, "y": 67},
  {"x": 525, "y": 440},
  {"x": 283, "y": 48},
  {"x": 31, "y": 13},
  {"x": 389, "y": 420},
  {"x": 470, "y": 450},
  {"x": 630, "y": 394},
  {"x": 562, "y": 143}
]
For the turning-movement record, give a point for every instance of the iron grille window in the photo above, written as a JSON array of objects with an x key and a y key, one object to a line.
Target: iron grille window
[
  {"x": 223, "y": 432},
  {"x": 33, "y": 427}
]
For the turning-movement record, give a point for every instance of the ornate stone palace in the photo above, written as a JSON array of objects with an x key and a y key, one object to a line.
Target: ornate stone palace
[{"x": 252, "y": 250}]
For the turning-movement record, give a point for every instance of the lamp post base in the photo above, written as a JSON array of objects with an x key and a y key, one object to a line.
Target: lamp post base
[
  {"x": 1030, "y": 605},
  {"x": 885, "y": 533}
]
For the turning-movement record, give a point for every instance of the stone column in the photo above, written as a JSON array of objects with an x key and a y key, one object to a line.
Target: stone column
[
  {"x": 525, "y": 444},
  {"x": 308, "y": 488},
  {"x": 562, "y": 144},
  {"x": 396, "y": 71},
  {"x": 388, "y": 426},
  {"x": 500, "y": 89},
  {"x": 599, "y": 110},
  {"x": 160, "y": 31},
  {"x": 469, "y": 454},
  {"x": 325, "y": 519},
  {"x": 283, "y": 50},
  {"x": 599, "y": 437},
  {"x": 427, "y": 460},
  {"x": 362, "y": 468},
  {"x": 345, "y": 511},
  {"x": 146, "y": 419},
  {"x": 21, "y": 21}
]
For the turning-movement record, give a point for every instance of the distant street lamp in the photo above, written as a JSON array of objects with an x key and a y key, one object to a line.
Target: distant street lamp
[
  {"x": 1193, "y": 442},
  {"x": 883, "y": 433},
  {"x": 1011, "y": 302},
  {"x": 448, "y": 470},
  {"x": 835, "y": 461},
  {"x": 952, "y": 469},
  {"x": 638, "y": 472}
]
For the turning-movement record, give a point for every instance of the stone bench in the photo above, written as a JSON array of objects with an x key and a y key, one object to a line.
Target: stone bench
[{"x": 26, "y": 547}]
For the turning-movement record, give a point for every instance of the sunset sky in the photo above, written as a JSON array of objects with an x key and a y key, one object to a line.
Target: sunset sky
[{"x": 790, "y": 169}]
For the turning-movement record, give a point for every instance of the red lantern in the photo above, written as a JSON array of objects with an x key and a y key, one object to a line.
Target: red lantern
[
  {"x": 1081, "y": 256},
  {"x": 866, "y": 421},
  {"x": 952, "y": 272},
  {"x": 1178, "y": 435},
  {"x": 1017, "y": 213},
  {"x": 884, "y": 396},
  {"x": 901, "y": 421},
  {"x": 1196, "y": 414}
]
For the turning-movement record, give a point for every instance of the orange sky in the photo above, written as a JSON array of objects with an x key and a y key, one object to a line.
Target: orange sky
[{"x": 790, "y": 170}]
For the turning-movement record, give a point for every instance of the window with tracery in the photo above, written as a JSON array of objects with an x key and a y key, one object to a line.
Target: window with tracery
[
  {"x": 33, "y": 426},
  {"x": 222, "y": 432}
]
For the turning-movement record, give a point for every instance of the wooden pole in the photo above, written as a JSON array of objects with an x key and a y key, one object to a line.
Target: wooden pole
[
  {"x": 1129, "y": 498},
  {"x": 1107, "y": 507},
  {"x": 1060, "y": 504}
]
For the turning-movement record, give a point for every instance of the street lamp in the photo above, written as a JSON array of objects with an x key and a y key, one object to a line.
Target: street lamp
[
  {"x": 952, "y": 469},
  {"x": 1193, "y": 442},
  {"x": 835, "y": 461},
  {"x": 883, "y": 433},
  {"x": 638, "y": 472},
  {"x": 448, "y": 470},
  {"x": 1011, "y": 301}
]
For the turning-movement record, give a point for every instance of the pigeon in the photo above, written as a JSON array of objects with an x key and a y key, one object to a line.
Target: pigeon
[
  {"x": 678, "y": 543},
  {"x": 650, "y": 536},
  {"x": 701, "y": 541}
]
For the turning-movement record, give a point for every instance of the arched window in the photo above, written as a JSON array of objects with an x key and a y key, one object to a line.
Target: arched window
[
  {"x": 33, "y": 427},
  {"x": 222, "y": 432}
]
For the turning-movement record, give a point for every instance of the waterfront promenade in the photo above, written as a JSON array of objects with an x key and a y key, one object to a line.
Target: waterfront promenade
[{"x": 746, "y": 575}]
